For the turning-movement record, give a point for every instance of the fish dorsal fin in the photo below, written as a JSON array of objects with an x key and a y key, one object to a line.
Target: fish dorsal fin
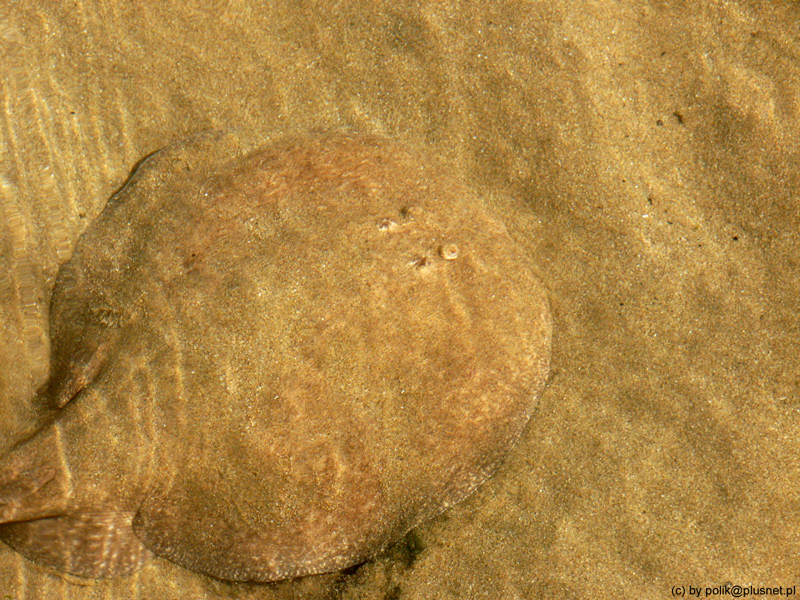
[{"x": 275, "y": 528}]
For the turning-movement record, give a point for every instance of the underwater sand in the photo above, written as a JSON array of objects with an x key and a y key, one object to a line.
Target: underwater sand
[{"x": 643, "y": 153}]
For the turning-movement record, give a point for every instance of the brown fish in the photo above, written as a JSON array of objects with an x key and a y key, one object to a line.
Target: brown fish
[{"x": 274, "y": 364}]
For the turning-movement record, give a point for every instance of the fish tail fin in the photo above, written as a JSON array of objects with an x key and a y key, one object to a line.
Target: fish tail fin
[{"x": 98, "y": 545}]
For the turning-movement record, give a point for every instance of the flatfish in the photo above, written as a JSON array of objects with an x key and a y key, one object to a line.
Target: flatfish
[{"x": 275, "y": 362}]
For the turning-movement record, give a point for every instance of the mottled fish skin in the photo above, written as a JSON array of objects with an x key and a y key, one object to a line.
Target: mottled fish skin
[{"x": 273, "y": 364}]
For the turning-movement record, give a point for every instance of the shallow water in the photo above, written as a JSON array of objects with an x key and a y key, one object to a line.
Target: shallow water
[{"x": 642, "y": 153}]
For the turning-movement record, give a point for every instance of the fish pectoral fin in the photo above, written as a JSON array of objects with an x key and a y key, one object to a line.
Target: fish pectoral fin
[
  {"x": 98, "y": 545},
  {"x": 79, "y": 375},
  {"x": 81, "y": 355}
]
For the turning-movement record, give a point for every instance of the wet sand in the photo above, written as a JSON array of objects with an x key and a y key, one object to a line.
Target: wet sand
[{"x": 643, "y": 153}]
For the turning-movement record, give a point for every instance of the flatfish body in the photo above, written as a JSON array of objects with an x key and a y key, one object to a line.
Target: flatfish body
[{"x": 274, "y": 363}]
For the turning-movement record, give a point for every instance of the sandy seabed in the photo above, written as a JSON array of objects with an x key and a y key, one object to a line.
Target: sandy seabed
[{"x": 644, "y": 153}]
